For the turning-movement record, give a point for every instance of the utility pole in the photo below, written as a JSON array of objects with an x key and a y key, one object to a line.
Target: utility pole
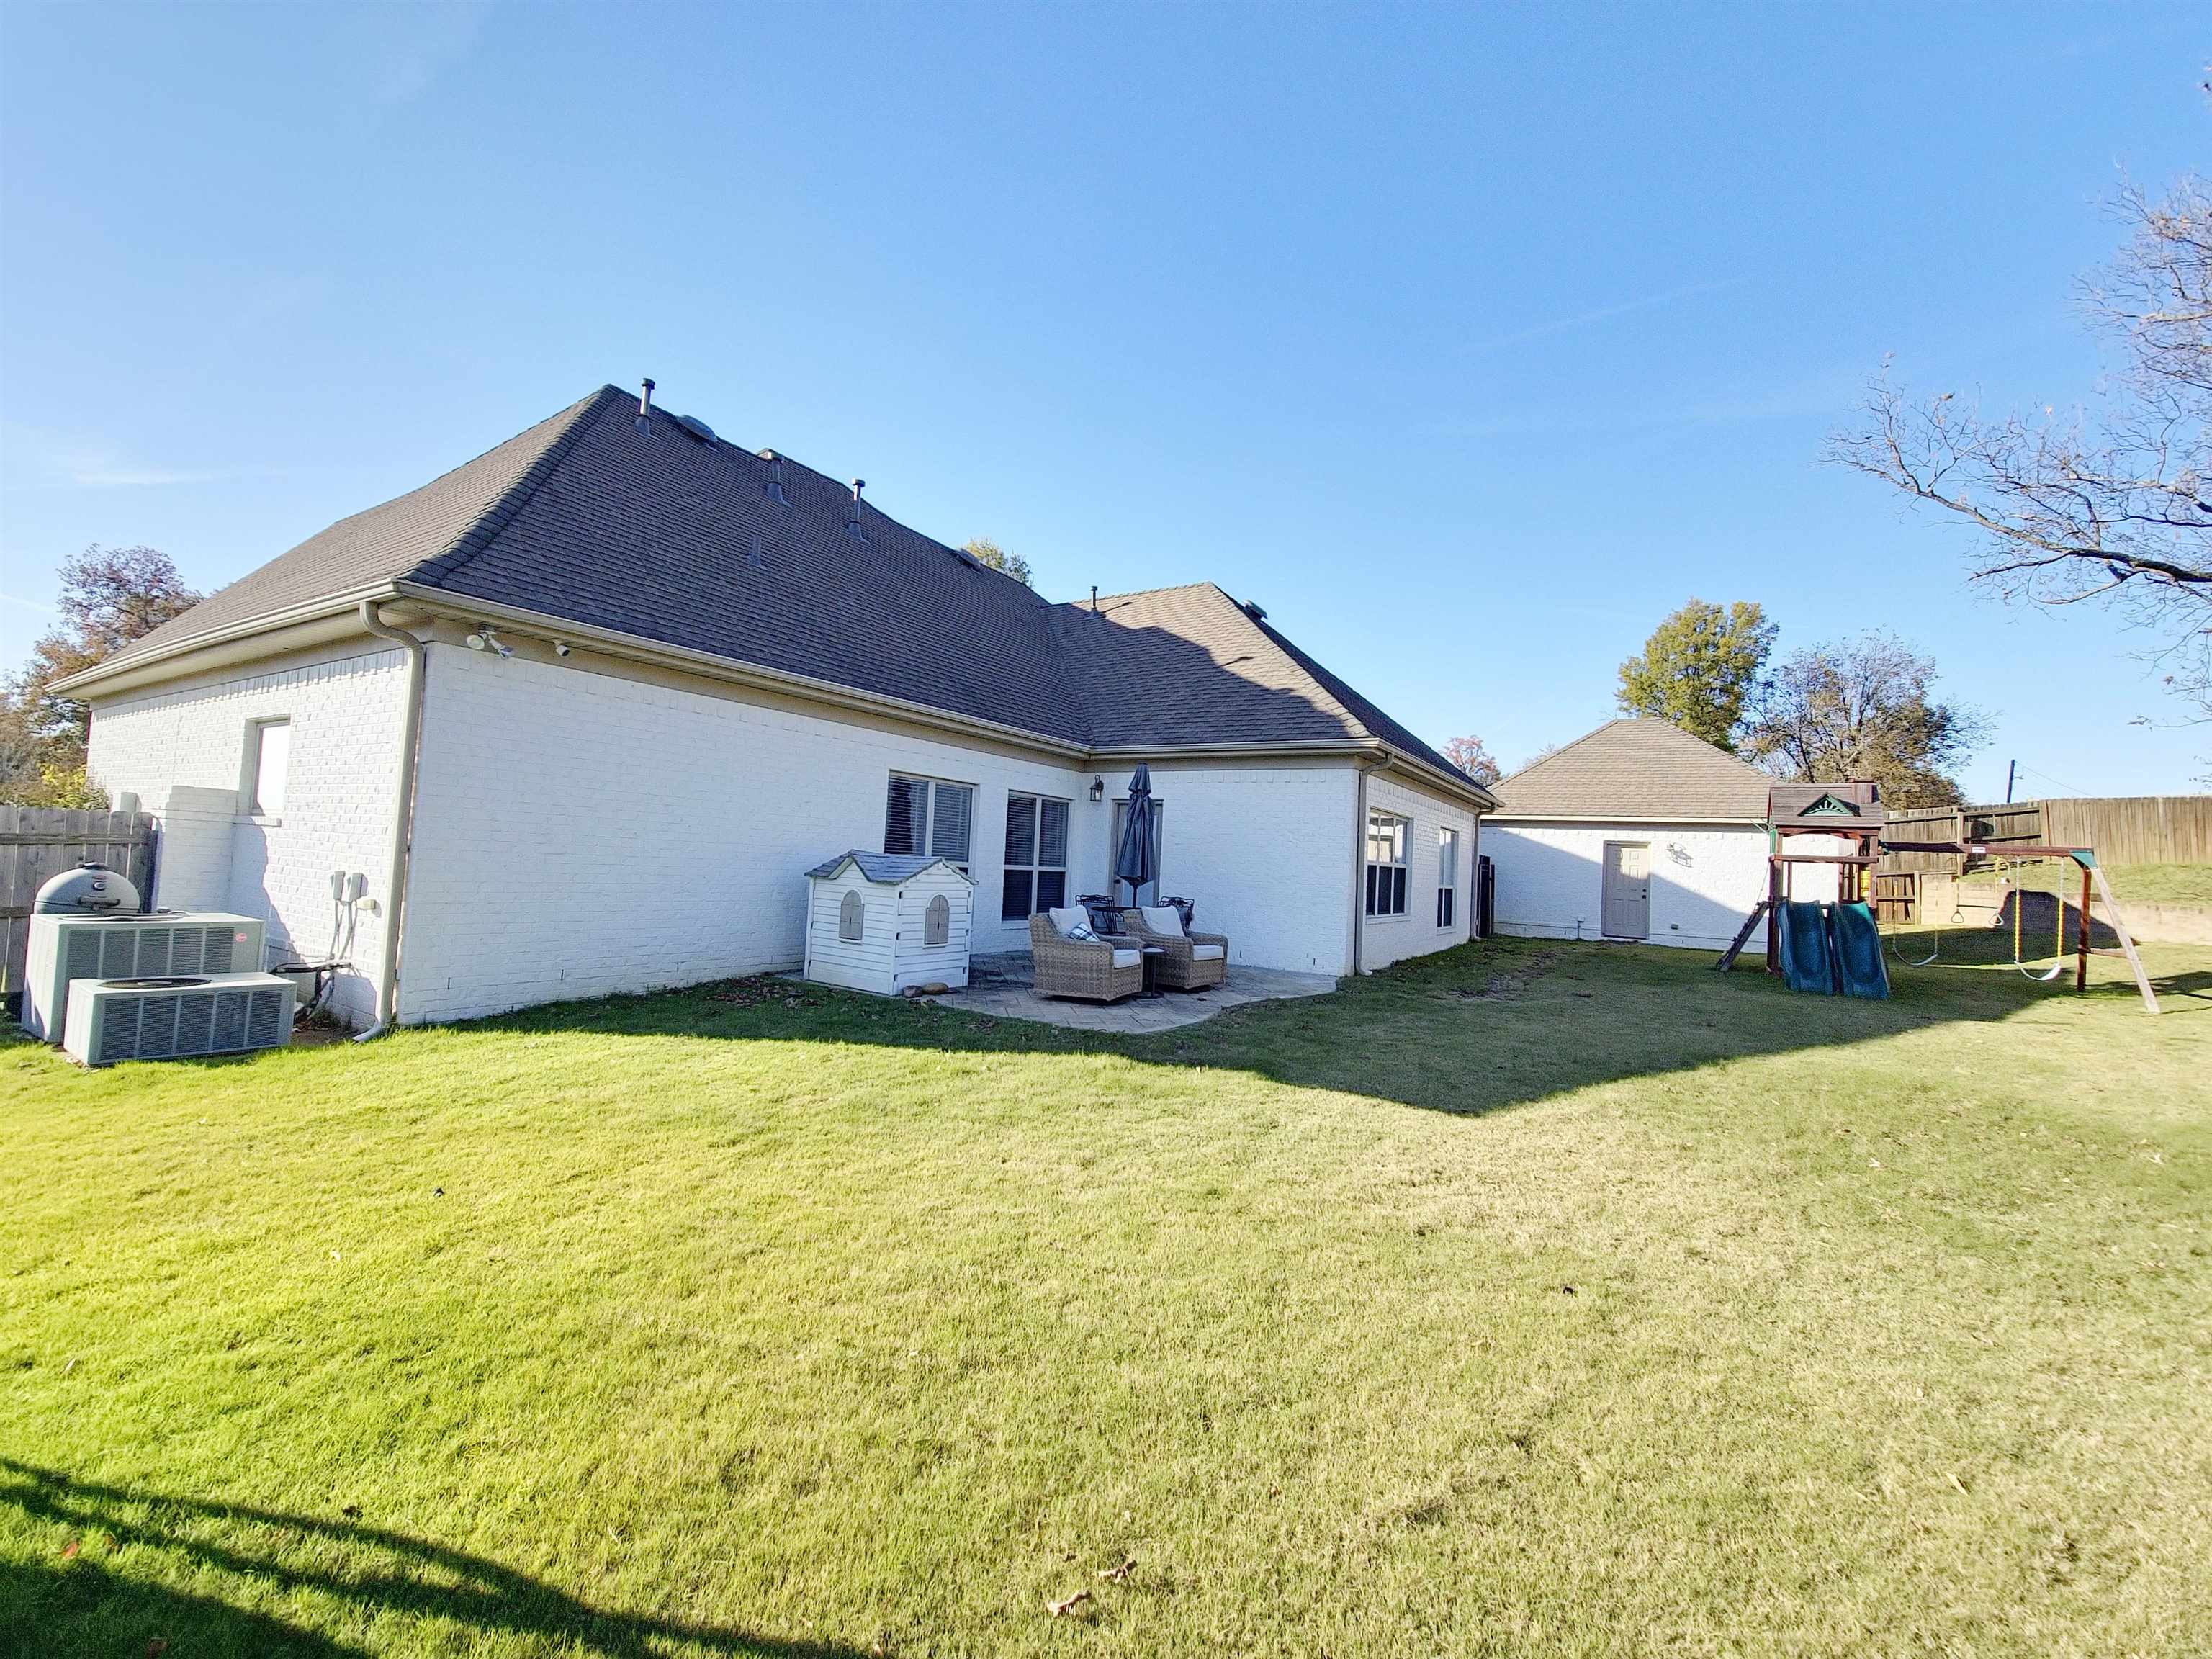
[{"x": 2011, "y": 767}]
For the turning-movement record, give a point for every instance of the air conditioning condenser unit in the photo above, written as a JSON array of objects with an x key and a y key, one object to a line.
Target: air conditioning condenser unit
[{"x": 172, "y": 1016}]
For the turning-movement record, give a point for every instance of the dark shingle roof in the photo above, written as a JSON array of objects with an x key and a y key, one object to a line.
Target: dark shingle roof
[
  {"x": 661, "y": 535},
  {"x": 1636, "y": 769},
  {"x": 1191, "y": 666}
]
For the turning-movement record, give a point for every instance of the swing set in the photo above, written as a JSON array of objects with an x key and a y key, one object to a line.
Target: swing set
[
  {"x": 2009, "y": 859},
  {"x": 1853, "y": 813}
]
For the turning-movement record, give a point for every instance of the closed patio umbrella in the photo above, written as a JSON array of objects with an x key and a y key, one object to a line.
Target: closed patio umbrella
[{"x": 1137, "y": 860}]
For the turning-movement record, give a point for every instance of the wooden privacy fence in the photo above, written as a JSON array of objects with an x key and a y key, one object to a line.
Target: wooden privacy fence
[
  {"x": 2133, "y": 829},
  {"x": 38, "y": 842},
  {"x": 2124, "y": 828}
]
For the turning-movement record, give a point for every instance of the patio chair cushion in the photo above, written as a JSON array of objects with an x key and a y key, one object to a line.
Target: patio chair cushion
[
  {"x": 1081, "y": 930},
  {"x": 1128, "y": 959},
  {"x": 1068, "y": 918},
  {"x": 1206, "y": 953},
  {"x": 1165, "y": 920}
]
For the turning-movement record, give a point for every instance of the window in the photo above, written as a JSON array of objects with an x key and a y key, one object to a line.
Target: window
[
  {"x": 852, "y": 918},
  {"x": 268, "y": 756},
  {"x": 1447, "y": 876},
  {"x": 1386, "y": 865},
  {"x": 928, "y": 815},
  {"x": 1037, "y": 856}
]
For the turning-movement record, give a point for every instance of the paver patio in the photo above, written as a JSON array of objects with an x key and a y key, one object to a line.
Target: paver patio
[{"x": 1005, "y": 987}]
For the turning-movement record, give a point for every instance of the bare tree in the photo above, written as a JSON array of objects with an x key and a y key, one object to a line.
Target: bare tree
[
  {"x": 1472, "y": 757},
  {"x": 110, "y": 596},
  {"x": 1862, "y": 709},
  {"x": 2111, "y": 504}
]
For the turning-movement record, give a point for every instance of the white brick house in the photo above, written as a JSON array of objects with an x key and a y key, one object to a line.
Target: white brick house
[{"x": 582, "y": 712}]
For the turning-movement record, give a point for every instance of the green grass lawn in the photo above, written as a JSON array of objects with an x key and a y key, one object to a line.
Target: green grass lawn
[{"x": 1564, "y": 1300}]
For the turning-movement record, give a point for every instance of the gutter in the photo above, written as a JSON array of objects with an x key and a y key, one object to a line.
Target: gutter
[
  {"x": 402, "y": 818},
  {"x": 707, "y": 664},
  {"x": 82, "y": 683}
]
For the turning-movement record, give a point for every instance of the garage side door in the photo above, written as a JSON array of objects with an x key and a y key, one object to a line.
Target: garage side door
[{"x": 1627, "y": 889}]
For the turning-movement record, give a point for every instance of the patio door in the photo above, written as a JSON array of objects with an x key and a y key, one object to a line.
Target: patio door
[
  {"x": 1627, "y": 899},
  {"x": 1118, "y": 891}
]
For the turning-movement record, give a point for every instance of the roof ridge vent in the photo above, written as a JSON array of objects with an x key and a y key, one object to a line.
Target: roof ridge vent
[{"x": 1252, "y": 609}]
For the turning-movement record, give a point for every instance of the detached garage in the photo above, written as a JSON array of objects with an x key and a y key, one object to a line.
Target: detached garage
[{"x": 1637, "y": 831}]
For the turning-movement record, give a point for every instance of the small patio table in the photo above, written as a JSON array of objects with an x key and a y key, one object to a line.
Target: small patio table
[{"x": 1152, "y": 955}]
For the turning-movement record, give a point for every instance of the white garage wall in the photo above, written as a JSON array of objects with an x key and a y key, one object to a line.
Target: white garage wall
[
  {"x": 1265, "y": 854},
  {"x": 1392, "y": 939},
  {"x": 181, "y": 750},
  {"x": 1705, "y": 879}
]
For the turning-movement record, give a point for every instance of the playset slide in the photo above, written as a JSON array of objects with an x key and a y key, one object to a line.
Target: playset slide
[
  {"x": 1807, "y": 964},
  {"x": 1858, "y": 939}
]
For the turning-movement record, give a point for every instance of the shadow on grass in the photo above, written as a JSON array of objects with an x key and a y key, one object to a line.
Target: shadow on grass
[
  {"x": 81, "y": 1604},
  {"x": 1478, "y": 1028}
]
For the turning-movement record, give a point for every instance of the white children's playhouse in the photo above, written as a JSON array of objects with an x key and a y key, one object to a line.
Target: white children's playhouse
[{"x": 882, "y": 921}]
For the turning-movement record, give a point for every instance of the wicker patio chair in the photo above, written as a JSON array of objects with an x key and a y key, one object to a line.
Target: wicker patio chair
[
  {"x": 1182, "y": 969},
  {"x": 1083, "y": 968}
]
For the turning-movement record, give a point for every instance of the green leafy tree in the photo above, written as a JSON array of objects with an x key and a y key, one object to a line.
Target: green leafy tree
[
  {"x": 984, "y": 551},
  {"x": 1698, "y": 669},
  {"x": 110, "y": 596},
  {"x": 1864, "y": 709}
]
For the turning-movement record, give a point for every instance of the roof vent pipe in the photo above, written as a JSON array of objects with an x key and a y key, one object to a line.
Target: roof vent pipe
[
  {"x": 1094, "y": 598},
  {"x": 645, "y": 398},
  {"x": 853, "y": 511},
  {"x": 775, "y": 476}
]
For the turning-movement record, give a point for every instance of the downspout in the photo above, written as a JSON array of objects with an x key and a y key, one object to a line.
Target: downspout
[
  {"x": 402, "y": 818},
  {"x": 1359, "y": 862}
]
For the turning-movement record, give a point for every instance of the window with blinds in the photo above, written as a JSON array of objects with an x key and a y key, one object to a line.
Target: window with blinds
[
  {"x": 1386, "y": 864},
  {"x": 1037, "y": 856},
  {"x": 1447, "y": 877},
  {"x": 930, "y": 816}
]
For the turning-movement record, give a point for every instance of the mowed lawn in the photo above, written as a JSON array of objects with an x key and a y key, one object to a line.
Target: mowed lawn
[{"x": 1527, "y": 1299}]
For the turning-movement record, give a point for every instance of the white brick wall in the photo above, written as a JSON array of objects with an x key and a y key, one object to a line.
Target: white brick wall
[
  {"x": 1705, "y": 879},
  {"x": 1266, "y": 855},
  {"x": 182, "y": 751},
  {"x": 578, "y": 833},
  {"x": 1392, "y": 939}
]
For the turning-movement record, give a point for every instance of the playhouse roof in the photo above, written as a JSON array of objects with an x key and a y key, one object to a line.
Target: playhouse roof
[{"x": 887, "y": 868}]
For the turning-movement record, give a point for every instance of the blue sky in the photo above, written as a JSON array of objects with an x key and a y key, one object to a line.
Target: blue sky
[{"x": 1469, "y": 342}]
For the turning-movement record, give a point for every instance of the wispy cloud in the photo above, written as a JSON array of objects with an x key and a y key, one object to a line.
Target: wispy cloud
[
  {"x": 43, "y": 459},
  {"x": 433, "y": 40},
  {"x": 27, "y": 605},
  {"x": 1605, "y": 314},
  {"x": 100, "y": 474},
  {"x": 1815, "y": 396}
]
